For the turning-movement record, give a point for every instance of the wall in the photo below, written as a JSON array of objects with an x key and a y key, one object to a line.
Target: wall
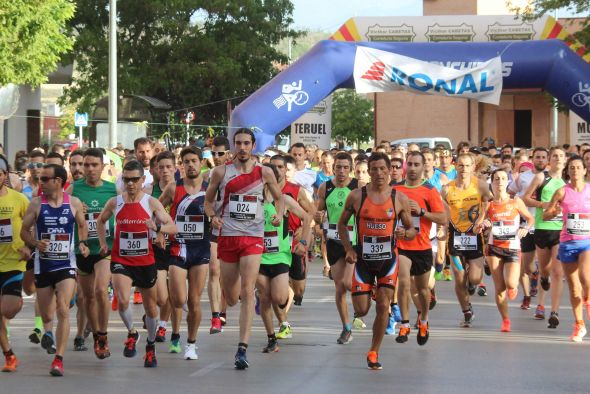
[{"x": 449, "y": 7}]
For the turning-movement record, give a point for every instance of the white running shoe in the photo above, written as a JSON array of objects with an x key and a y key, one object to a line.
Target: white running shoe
[{"x": 190, "y": 352}]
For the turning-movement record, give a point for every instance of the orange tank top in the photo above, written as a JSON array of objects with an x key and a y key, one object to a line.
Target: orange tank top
[
  {"x": 376, "y": 223},
  {"x": 505, "y": 220}
]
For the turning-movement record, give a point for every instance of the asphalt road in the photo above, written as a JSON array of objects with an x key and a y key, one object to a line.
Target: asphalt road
[{"x": 481, "y": 359}]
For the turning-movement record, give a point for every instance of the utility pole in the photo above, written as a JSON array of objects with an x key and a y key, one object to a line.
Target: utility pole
[{"x": 113, "y": 96}]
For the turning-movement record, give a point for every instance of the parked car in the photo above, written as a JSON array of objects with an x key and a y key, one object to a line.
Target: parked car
[{"x": 428, "y": 142}]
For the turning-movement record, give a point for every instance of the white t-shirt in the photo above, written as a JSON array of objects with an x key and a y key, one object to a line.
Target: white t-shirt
[
  {"x": 149, "y": 179},
  {"x": 305, "y": 178},
  {"x": 521, "y": 185}
]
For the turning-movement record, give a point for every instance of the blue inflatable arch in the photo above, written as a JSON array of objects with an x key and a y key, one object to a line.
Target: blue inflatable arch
[{"x": 546, "y": 64}]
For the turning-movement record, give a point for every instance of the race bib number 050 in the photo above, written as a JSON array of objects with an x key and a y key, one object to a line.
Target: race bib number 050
[{"x": 190, "y": 227}]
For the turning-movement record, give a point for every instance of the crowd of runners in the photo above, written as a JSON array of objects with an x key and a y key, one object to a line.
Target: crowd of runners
[{"x": 77, "y": 228}]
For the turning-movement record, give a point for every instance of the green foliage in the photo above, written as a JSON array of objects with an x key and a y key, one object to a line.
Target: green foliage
[
  {"x": 352, "y": 117},
  {"x": 184, "y": 52},
  {"x": 32, "y": 39}
]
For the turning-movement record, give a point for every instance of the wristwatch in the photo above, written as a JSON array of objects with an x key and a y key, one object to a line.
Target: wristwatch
[
  {"x": 422, "y": 212},
  {"x": 158, "y": 227},
  {"x": 303, "y": 242}
]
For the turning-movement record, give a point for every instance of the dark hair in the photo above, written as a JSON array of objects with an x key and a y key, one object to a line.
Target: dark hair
[
  {"x": 36, "y": 153},
  {"x": 506, "y": 157},
  {"x": 5, "y": 160},
  {"x": 58, "y": 172},
  {"x": 289, "y": 159},
  {"x": 274, "y": 170},
  {"x": 396, "y": 159},
  {"x": 497, "y": 156},
  {"x": 495, "y": 171},
  {"x": 221, "y": 141},
  {"x": 361, "y": 157},
  {"x": 153, "y": 161},
  {"x": 134, "y": 165},
  {"x": 93, "y": 152},
  {"x": 566, "y": 146},
  {"x": 508, "y": 146},
  {"x": 416, "y": 153},
  {"x": 190, "y": 150},
  {"x": 574, "y": 157},
  {"x": 77, "y": 152},
  {"x": 540, "y": 149},
  {"x": 297, "y": 145},
  {"x": 55, "y": 155},
  {"x": 462, "y": 145},
  {"x": 245, "y": 130},
  {"x": 141, "y": 141},
  {"x": 327, "y": 154},
  {"x": 279, "y": 157},
  {"x": 380, "y": 156},
  {"x": 344, "y": 156},
  {"x": 166, "y": 155}
]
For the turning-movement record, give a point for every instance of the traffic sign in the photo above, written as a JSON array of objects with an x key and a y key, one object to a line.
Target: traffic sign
[{"x": 81, "y": 120}]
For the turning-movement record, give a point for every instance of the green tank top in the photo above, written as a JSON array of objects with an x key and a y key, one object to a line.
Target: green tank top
[
  {"x": 277, "y": 243},
  {"x": 156, "y": 190},
  {"x": 545, "y": 193},
  {"x": 95, "y": 199},
  {"x": 335, "y": 198}
]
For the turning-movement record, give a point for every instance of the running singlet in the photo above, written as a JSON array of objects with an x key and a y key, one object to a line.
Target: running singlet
[
  {"x": 12, "y": 209},
  {"x": 376, "y": 222},
  {"x": 464, "y": 205},
  {"x": 192, "y": 225},
  {"x": 428, "y": 198},
  {"x": 277, "y": 245},
  {"x": 435, "y": 179},
  {"x": 505, "y": 220},
  {"x": 292, "y": 190},
  {"x": 132, "y": 245},
  {"x": 95, "y": 198},
  {"x": 335, "y": 198},
  {"x": 545, "y": 193},
  {"x": 55, "y": 225},
  {"x": 575, "y": 207},
  {"x": 451, "y": 175},
  {"x": 241, "y": 196}
]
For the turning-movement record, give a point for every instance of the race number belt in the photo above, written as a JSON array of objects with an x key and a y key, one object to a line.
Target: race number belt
[
  {"x": 133, "y": 244},
  {"x": 332, "y": 232},
  {"x": 271, "y": 241},
  {"x": 504, "y": 230},
  {"x": 5, "y": 231},
  {"x": 243, "y": 206},
  {"x": 376, "y": 248},
  {"x": 190, "y": 227},
  {"x": 91, "y": 219},
  {"x": 578, "y": 223},
  {"x": 462, "y": 241},
  {"x": 58, "y": 248}
]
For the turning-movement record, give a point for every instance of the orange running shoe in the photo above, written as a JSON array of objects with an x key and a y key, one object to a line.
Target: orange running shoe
[
  {"x": 11, "y": 364},
  {"x": 578, "y": 333},
  {"x": 423, "y": 334},
  {"x": 137, "y": 298},
  {"x": 373, "y": 361},
  {"x": 402, "y": 337},
  {"x": 115, "y": 303},
  {"x": 512, "y": 293},
  {"x": 505, "y": 325}
]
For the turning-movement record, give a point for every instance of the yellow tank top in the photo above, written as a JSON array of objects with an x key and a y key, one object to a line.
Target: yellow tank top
[
  {"x": 12, "y": 209},
  {"x": 464, "y": 205}
]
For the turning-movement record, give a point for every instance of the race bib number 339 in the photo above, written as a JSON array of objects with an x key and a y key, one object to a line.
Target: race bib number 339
[
  {"x": 243, "y": 206},
  {"x": 377, "y": 248}
]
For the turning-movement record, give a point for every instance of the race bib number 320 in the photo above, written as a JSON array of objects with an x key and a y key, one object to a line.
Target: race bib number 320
[
  {"x": 58, "y": 248},
  {"x": 133, "y": 244},
  {"x": 243, "y": 206},
  {"x": 465, "y": 241}
]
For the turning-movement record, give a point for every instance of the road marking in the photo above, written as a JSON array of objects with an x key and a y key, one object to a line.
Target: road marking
[{"x": 206, "y": 370}]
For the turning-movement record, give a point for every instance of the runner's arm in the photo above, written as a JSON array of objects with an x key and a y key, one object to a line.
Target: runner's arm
[
  {"x": 31, "y": 214},
  {"x": 524, "y": 212},
  {"x": 167, "y": 225},
  {"x": 350, "y": 204},
  {"x": 104, "y": 216},
  {"x": 78, "y": 211},
  {"x": 553, "y": 209},
  {"x": 271, "y": 181},
  {"x": 214, "y": 182},
  {"x": 293, "y": 206},
  {"x": 527, "y": 198},
  {"x": 321, "y": 204},
  {"x": 402, "y": 206},
  {"x": 167, "y": 196}
]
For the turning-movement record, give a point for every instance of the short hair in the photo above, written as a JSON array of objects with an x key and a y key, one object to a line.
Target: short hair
[
  {"x": 396, "y": 159},
  {"x": 77, "y": 152},
  {"x": 361, "y": 157},
  {"x": 566, "y": 146},
  {"x": 496, "y": 171},
  {"x": 416, "y": 153},
  {"x": 134, "y": 165},
  {"x": 344, "y": 156},
  {"x": 166, "y": 155},
  {"x": 288, "y": 159},
  {"x": 327, "y": 154},
  {"x": 540, "y": 149},
  {"x": 55, "y": 155},
  {"x": 36, "y": 153},
  {"x": 153, "y": 161},
  {"x": 379, "y": 156},
  {"x": 497, "y": 156},
  {"x": 58, "y": 172},
  {"x": 141, "y": 141},
  {"x": 296, "y": 145},
  {"x": 507, "y": 146},
  {"x": 274, "y": 169},
  {"x": 244, "y": 130},
  {"x": 189, "y": 150},
  {"x": 279, "y": 157},
  {"x": 461, "y": 155},
  {"x": 221, "y": 141},
  {"x": 462, "y": 145},
  {"x": 57, "y": 147},
  {"x": 506, "y": 157},
  {"x": 93, "y": 152}
]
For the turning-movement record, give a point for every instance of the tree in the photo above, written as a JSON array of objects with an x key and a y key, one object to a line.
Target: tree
[
  {"x": 352, "y": 117},
  {"x": 184, "y": 52},
  {"x": 32, "y": 39}
]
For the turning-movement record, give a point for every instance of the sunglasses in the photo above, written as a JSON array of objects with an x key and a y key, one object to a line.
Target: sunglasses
[
  {"x": 30, "y": 166},
  {"x": 46, "y": 178},
  {"x": 218, "y": 154},
  {"x": 134, "y": 179},
  {"x": 396, "y": 167}
]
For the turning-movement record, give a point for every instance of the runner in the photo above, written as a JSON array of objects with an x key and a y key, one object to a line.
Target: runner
[
  {"x": 415, "y": 256},
  {"x": 572, "y": 201},
  {"x": 53, "y": 216},
  {"x": 241, "y": 223},
  {"x": 132, "y": 256},
  {"x": 503, "y": 253},
  {"x": 94, "y": 272},
  {"x": 304, "y": 177},
  {"x": 467, "y": 198},
  {"x": 374, "y": 259}
]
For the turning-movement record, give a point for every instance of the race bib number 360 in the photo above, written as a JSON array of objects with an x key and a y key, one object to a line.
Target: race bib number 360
[
  {"x": 243, "y": 206},
  {"x": 133, "y": 244},
  {"x": 5, "y": 231},
  {"x": 465, "y": 241},
  {"x": 377, "y": 248},
  {"x": 91, "y": 219},
  {"x": 190, "y": 227},
  {"x": 578, "y": 223},
  {"x": 58, "y": 248}
]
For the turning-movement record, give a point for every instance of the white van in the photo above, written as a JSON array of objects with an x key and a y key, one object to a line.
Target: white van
[{"x": 428, "y": 142}]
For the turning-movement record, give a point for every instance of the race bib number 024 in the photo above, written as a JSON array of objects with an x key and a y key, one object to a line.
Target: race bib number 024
[{"x": 243, "y": 206}]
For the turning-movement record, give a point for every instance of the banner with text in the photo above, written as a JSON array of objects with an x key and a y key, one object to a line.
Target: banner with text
[
  {"x": 579, "y": 130},
  {"x": 315, "y": 126},
  {"x": 380, "y": 71}
]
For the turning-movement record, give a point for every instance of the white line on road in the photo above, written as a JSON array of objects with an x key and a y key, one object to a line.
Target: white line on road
[{"x": 206, "y": 370}]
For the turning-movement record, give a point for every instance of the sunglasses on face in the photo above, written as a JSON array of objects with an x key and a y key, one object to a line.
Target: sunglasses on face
[
  {"x": 134, "y": 179},
  {"x": 218, "y": 154},
  {"x": 30, "y": 166},
  {"x": 46, "y": 178},
  {"x": 396, "y": 167}
]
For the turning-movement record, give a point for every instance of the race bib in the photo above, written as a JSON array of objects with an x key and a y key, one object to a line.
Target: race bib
[
  {"x": 558, "y": 218},
  {"x": 271, "y": 241},
  {"x": 465, "y": 241},
  {"x": 377, "y": 248},
  {"x": 91, "y": 220},
  {"x": 133, "y": 244},
  {"x": 190, "y": 227},
  {"x": 415, "y": 223},
  {"x": 332, "y": 232},
  {"x": 578, "y": 223},
  {"x": 243, "y": 206},
  {"x": 59, "y": 246},
  {"x": 504, "y": 230},
  {"x": 5, "y": 231}
]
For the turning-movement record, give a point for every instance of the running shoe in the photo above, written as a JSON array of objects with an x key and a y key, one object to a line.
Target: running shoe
[
  {"x": 137, "y": 298},
  {"x": 150, "y": 360},
  {"x": 471, "y": 288},
  {"x": 505, "y": 325},
  {"x": 512, "y": 293},
  {"x": 482, "y": 290},
  {"x": 438, "y": 276},
  {"x": 223, "y": 318},
  {"x": 257, "y": 304},
  {"x": 553, "y": 320},
  {"x": 161, "y": 334},
  {"x": 447, "y": 274},
  {"x": 271, "y": 347},
  {"x": 101, "y": 347},
  {"x": 190, "y": 352},
  {"x": 35, "y": 336},
  {"x": 397, "y": 313},
  {"x": 468, "y": 317},
  {"x": 486, "y": 269},
  {"x": 578, "y": 333},
  {"x": 540, "y": 312},
  {"x": 215, "y": 325},
  {"x": 284, "y": 331},
  {"x": 432, "y": 299},
  {"x": 114, "y": 303},
  {"x": 48, "y": 343},
  {"x": 423, "y": 334},
  {"x": 373, "y": 361},
  {"x": 345, "y": 337},
  {"x": 358, "y": 323},
  {"x": 587, "y": 306},
  {"x": 526, "y": 303},
  {"x": 57, "y": 367},
  {"x": 390, "y": 330},
  {"x": 10, "y": 364},
  {"x": 130, "y": 344},
  {"x": 402, "y": 336},
  {"x": 241, "y": 360},
  {"x": 174, "y": 346},
  {"x": 545, "y": 283},
  {"x": 297, "y": 300},
  {"x": 79, "y": 345}
]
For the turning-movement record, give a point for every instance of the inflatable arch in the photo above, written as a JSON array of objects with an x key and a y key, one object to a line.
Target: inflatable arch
[{"x": 546, "y": 64}]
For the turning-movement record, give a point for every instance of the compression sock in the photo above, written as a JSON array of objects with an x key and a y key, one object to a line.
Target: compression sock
[
  {"x": 127, "y": 317},
  {"x": 152, "y": 325}
]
